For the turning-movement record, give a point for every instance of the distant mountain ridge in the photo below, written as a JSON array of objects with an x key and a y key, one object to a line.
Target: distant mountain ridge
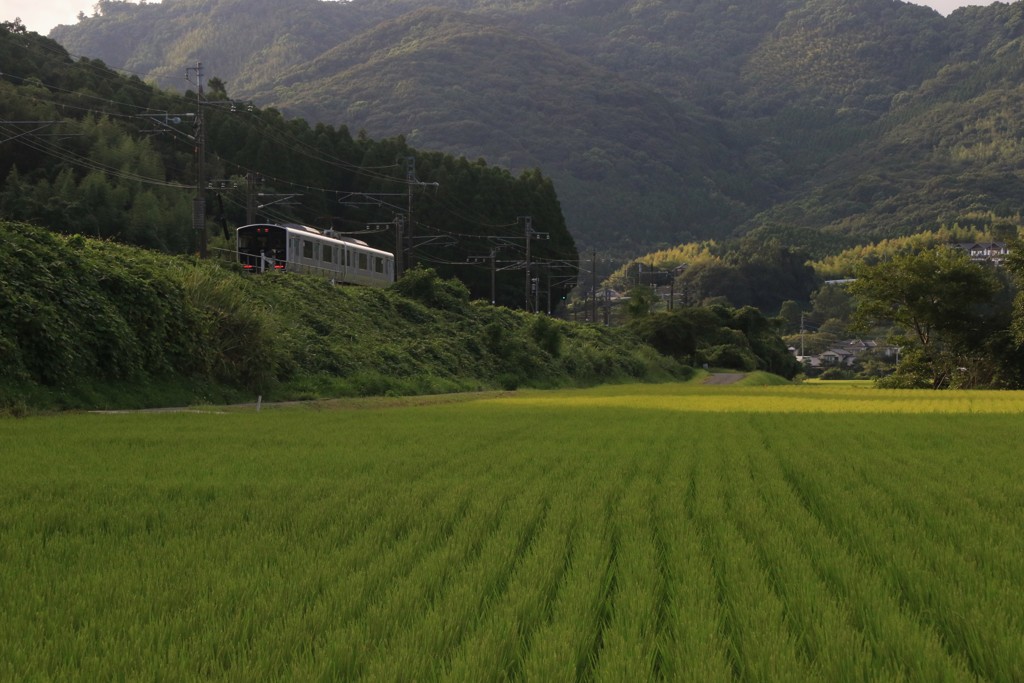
[{"x": 660, "y": 121}]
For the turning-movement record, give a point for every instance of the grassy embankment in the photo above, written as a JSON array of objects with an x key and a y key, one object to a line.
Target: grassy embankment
[
  {"x": 635, "y": 532},
  {"x": 96, "y": 324}
]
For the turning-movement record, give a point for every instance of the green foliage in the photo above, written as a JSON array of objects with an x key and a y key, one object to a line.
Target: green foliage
[
  {"x": 641, "y": 300},
  {"x": 838, "y": 373},
  {"x": 832, "y": 302},
  {"x": 547, "y": 334},
  {"x": 842, "y": 265},
  {"x": 731, "y": 356},
  {"x": 83, "y": 315},
  {"x": 238, "y": 333},
  {"x": 672, "y": 334},
  {"x": 424, "y": 285},
  {"x": 86, "y": 311},
  {"x": 718, "y": 336},
  {"x": 939, "y": 298},
  {"x": 754, "y": 274}
]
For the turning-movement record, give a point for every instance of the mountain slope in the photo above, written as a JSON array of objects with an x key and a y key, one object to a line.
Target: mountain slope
[
  {"x": 943, "y": 153},
  {"x": 622, "y": 155},
  {"x": 659, "y": 120}
]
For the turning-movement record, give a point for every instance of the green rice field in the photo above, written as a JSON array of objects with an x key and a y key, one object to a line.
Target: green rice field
[{"x": 629, "y": 533}]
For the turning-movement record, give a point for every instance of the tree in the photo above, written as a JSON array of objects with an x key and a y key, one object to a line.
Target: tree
[
  {"x": 831, "y": 301},
  {"x": 641, "y": 301},
  {"x": 791, "y": 314},
  {"x": 938, "y": 298},
  {"x": 670, "y": 333}
]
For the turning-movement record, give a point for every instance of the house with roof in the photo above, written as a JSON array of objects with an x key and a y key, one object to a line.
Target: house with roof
[
  {"x": 846, "y": 354},
  {"x": 985, "y": 252}
]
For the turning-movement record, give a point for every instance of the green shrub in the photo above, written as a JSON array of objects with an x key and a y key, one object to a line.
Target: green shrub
[
  {"x": 837, "y": 373},
  {"x": 729, "y": 356},
  {"x": 547, "y": 334},
  {"x": 426, "y": 286},
  {"x": 670, "y": 333}
]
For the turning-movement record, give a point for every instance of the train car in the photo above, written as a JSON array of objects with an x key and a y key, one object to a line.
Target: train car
[{"x": 301, "y": 249}]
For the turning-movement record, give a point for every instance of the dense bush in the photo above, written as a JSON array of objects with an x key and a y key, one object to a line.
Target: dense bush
[
  {"x": 718, "y": 336},
  {"x": 424, "y": 285}
]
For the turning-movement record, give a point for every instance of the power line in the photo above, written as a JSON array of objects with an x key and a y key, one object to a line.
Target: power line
[{"x": 266, "y": 129}]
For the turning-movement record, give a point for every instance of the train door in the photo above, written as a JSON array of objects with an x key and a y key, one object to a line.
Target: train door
[
  {"x": 329, "y": 259},
  {"x": 308, "y": 255}
]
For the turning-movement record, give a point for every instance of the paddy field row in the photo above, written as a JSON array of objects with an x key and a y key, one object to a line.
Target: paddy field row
[{"x": 664, "y": 532}]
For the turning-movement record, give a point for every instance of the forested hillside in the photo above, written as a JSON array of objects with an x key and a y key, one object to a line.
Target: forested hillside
[
  {"x": 659, "y": 121},
  {"x": 86, "y": 150}
]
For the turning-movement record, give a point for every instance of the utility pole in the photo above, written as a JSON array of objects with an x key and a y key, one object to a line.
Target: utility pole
[
  {"x": 399, "y": 237},
  {"x": 529, "y": 234},
  {"x": 410, "y": 178},
  {"x": 250, "y": 198},
  {"x": 492, "y": 258},
  {"x": 801, "y": 334},
  {"x": 548, "y": 271},
  {"x": 494, "y": 299},
  {"x": 536, "y": 292},
  {"x": 199, "y": 203},
  {"x": 593, "y": 286}
]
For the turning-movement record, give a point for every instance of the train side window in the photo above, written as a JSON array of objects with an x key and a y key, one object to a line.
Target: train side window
[
  {"x": 348, "y": 258},
  {"x": 325, "y": 253},
  {"x": 362, "y": 262},
  {"x": 307, "y": 249},
  {"x": 378, "y": 264}
]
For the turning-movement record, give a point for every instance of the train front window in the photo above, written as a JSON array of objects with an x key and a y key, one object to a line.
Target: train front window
[
  {"x": 253, "y": 243},
  {"x": 264, "y": 239}
]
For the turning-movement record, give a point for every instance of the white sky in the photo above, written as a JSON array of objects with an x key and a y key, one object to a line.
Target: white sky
[{"x": 42, "y": 15}]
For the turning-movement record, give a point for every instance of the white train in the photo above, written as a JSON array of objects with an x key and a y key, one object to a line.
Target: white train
[{"x": 301, "y": 249}]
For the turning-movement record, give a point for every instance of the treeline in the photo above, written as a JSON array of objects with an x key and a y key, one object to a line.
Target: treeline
[
  {"x": 91, "y": 152},
  {"x": 746, "y": 272}
]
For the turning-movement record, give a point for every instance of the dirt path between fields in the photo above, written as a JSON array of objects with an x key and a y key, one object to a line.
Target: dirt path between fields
[
  {"x": 354, "y": 403},
  {"x": 725, "y": 377}
]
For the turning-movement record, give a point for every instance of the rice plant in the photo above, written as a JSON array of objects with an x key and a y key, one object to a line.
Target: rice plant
[{"x": 655, "y": 533}]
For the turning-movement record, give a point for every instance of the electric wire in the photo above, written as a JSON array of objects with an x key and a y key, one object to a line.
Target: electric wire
[
  {"x": 445, "y": 202},
  {"x": 79, "y": 161}
]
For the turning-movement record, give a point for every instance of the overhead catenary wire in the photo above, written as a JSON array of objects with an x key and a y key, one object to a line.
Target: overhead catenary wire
[
  {"x": 32, "y": 141},
  {"x": 58, "y": 97},
  {"x": 291, "y": 142}
]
